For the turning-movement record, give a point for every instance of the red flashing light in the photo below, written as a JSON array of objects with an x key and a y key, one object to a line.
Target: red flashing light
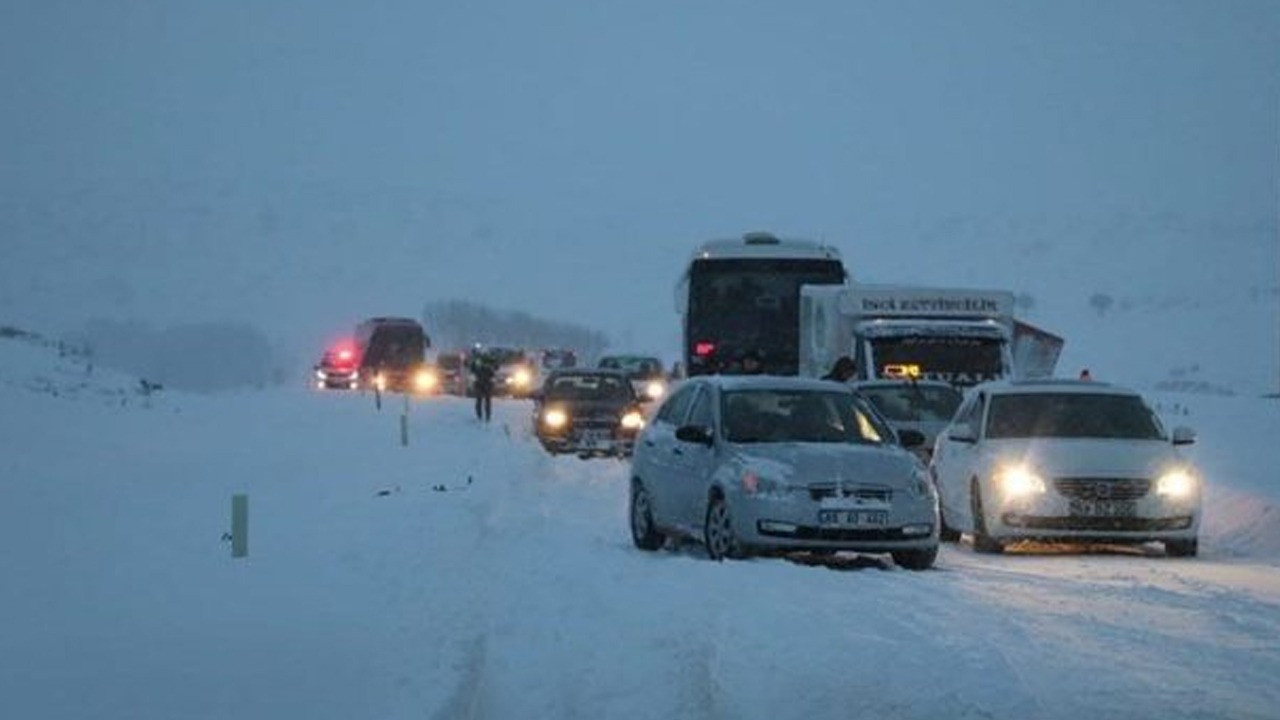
[
  {"x": 345, "y": 354},
  {"x": 703, "y": 349}
]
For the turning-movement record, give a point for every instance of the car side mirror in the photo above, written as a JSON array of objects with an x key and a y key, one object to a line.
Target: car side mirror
[
  {"x": 1183, "y": 435},
  {"x": 694, "y": 434},
  {"x": 964, "y": 433},
  {"x": 910, "y": 438}
]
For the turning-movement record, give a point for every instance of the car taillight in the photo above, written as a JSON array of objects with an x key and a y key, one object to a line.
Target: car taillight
[{"x": 703, "y": 349}]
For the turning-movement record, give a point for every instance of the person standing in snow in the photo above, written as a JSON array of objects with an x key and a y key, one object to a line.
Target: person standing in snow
[{"x": 483, "y": 370}]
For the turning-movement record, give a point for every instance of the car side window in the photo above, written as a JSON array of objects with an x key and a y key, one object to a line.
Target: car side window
[
  {"x": 676, "y": 407},
  {"x": 700, "y": 414}
]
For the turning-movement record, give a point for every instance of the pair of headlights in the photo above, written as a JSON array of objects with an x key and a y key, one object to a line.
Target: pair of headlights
[
  {"x": 556, "y": 419},
  {"x": 423, "y": 381},
  {"x": 1021, "y": 481}
]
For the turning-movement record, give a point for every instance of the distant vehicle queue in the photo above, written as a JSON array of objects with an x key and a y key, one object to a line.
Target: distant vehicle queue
[{"x": 834, "y": 416}]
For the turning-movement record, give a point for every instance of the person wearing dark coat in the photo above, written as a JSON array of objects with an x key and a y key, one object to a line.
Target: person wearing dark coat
[
  {"x": 483, "y": 370},
  {"x": 843, "y": 370}
]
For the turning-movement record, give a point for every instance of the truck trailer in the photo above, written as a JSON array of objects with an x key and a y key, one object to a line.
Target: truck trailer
[{"x": 961, "y": 336}]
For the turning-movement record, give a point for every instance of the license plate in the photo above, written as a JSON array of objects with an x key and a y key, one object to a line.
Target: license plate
[
  {"x": 1102, "y": 508},
  {"x": 596, "y": 438},
  {"x": 853, "y": 518}
]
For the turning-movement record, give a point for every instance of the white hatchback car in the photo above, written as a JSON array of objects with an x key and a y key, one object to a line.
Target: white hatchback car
[
  {"x": 1064, "y": 460},
  {"x": 751, "y": 464}
]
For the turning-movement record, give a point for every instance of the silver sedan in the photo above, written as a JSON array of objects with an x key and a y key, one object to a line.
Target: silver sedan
[{"x": 746, "y": 464}]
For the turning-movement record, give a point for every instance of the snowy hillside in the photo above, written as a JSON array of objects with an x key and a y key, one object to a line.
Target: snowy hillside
[{"x": 469, "y": 575}]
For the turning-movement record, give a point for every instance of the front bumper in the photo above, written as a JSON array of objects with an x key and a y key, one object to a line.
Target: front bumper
[
  {"x": 791, "y": 522},
  {"x": 1054, "y": 517},
  {"x": 588, "y": 442},
  {"x": 336, "y": 380}
]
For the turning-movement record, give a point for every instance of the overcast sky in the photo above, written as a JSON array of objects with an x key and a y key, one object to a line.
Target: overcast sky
[{"x": 302, "y": 164}]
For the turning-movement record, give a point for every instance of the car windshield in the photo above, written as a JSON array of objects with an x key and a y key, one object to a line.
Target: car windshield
[
  {"x": 558, "y": 359},
  {"x": 914, "y": 403},
  {"x": 1072, "y": 415},
  {"x": 588, "y": 387},
  {"x": 631, "y": 365},
  {"x": 774, "y": 416},
  {"x": 506, "y": 356}
]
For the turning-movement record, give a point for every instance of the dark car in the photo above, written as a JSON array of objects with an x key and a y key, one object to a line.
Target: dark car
[
  {"x": 645, "y": 373},
  {"x": 588, "y": 412},
  {"x": 451, "y": 369}
]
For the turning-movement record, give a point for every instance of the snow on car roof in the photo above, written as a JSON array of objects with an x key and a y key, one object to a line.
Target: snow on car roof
[
  {"x": 1054, "y": 385},
  {"x": 770, "y": 382},
  {"x": 899, "y": 382}
]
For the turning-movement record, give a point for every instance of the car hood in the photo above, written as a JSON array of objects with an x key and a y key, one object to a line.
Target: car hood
[
  {"x": 802, "y": 464},
  {"x": 1089, "y": 457},
  {"x": 588, "y": 408}
]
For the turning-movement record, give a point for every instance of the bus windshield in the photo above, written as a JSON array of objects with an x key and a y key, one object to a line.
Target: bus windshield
[{"x": 749, "y": 305}]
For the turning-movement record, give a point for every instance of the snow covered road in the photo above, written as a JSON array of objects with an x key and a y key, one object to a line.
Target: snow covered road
[{"x": 382, "y": 584}]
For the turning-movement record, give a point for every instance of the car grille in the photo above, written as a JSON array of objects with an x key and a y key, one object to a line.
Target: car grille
[
  {"x": 1091, "y": 488},
  {"x": 1099, "y": 524},
  {"x": 595, "y": 422},
  {"x": 867, "y": 493}
]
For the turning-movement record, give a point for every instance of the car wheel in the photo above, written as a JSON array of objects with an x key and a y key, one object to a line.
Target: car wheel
[
  {"x": 1182, "y": 548},
  {"x": 916, "y": 559},
  {"x": 717, "y": 532},
  {"x": 643, "y": 532},
  {"x": 982, "y": 542}
]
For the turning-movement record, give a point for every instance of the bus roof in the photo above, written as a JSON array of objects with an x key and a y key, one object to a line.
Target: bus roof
[{"x": 765, "y": 245}]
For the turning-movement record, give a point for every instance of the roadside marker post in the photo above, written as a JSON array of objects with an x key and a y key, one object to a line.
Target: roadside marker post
[
  {"x": 239, "y": 526},
  {"x": 404, "y": 423}
]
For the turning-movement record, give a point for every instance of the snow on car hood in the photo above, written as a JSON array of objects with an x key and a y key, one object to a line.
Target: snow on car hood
[
  {"x": 1086, "y": 457},
  {"x": 800, "y": 464}
]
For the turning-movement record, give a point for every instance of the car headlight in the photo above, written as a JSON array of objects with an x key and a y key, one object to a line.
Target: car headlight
[
  {"x": 632, "y": 420},
  {"x": 555, "y": 419},
  {"x": 380, "y": 381},
  {"x": 425, "y": 380},
  {"x": 1176, "y": 484},
  {"x": 1019, "y": 481},
  {"x": 320, "y": 375},
  {"x": 521, "y": 377},
  {"x": 754, "y": 484},
  {"x": 655, "y": 389}
]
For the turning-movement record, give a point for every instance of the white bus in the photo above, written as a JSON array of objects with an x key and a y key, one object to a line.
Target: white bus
[{"x": 742, "y": 296}]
